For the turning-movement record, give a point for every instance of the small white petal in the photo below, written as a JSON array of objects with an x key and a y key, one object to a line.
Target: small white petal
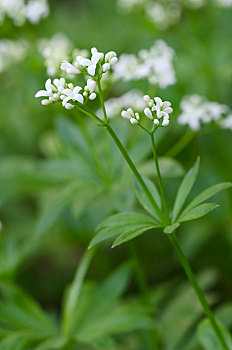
[
  {"x": 42, "y": 93},
  {"x": 167, "y": 104},
  {"x": 165, "y": 122},
  {"x": 148, "y": 113},
  {"x": 125, "y": 115},
  {"x": 48, "y": 85},
  {"x": 92, "y": 69},
  {"x": 134, "y": 121},
  {"x": 131, "y": 112},
  {"x": 69, "y": 106},
  {"x": 92, "y": 96},
  {"x": 96, "y": 57},
  {"x": 156, "y": 122},
  {"x": 76, "y": 90},
  {"x": 106, "y": 67},
  {"x": 113, "y": 60},
  {"x": 91, "y": 85},
  {"x": 79, "y": 98},
  {"x": 147, "y": 98},
  {"x": 45, "y": 102},
  {"x": 168, "y": 110},
  {"x": 65, "y": 100},
  {"x": 137, "y": 116}
]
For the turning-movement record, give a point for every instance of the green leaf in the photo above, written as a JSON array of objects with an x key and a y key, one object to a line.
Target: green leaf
[
  {"x": 184, "y": 189},
  {"x": 197, "y": 212},
  {"x": 16, "y": 341},
  {"x": 208, "y": 338},
  {"x": 72, "y": 296},
  {"x": 170, "y": 229},
  {"x": 142, "y": 198},
  {"x": 208, "y": 193},
  {"x": 126, "y": 225},
  {"x": 20, "y": 311}
]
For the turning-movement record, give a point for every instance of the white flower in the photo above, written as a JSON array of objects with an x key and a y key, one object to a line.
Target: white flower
[
  {"x": 11, "y": 52},
  {"x": 35, "y": 10},
  {"x": 21, "y": 10},
  {"x": 155, "y": 64},
  {"x": 72, "y": 93},
  {"x": 91, "y": 64},
  {"x": 54, "y": 51},
  {"x": 89, "y": 89},
  {"x": 158, "y": 111},
  {"x": 197, "y": 110},
  {"x": 163, "y": 15},
  {"x": 131, "y": 116},
  {"x": 87, "y": 66}
]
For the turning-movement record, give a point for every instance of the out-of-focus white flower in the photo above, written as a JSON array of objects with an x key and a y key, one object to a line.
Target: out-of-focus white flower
[
  {"x": 54, "y": 51},
  {"x": 11, "y": 52},
  {"x": 35, "y": 10},
  {"x": 162, "y": 15},
  {"x": 226, "y": 123},
  {"x": 87, "y": 66},
  {"x": 131, "y": 116},
  {"x": 155, "y": 64},
  {"x": 197, "y": 110},
  {"x": 20, "y": 10},
  {"x": 157, "y": 110}
]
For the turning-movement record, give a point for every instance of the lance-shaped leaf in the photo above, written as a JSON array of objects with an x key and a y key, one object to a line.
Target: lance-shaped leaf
[
  {"x": 197, "y": 212},
  {"x": 208, "y": 193},
  {"x": 125, "y": 225},
  {"x": 184, "y": 189}
]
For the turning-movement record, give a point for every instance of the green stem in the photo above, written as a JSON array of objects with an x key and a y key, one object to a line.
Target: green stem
[
  {"x": 102, "y": 100},
  {"x": 162, "y": 193},
  {"x": 201, "y": 297},
  {"x": 136, "y": 173},
  {"x": 181, "y": 144}
]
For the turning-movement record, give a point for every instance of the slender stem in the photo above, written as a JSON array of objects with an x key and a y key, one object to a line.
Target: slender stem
[
  {"x": 162, "y": 193},
  {"x": 201, "y": 297},
  {"x": 136, "y": 173},
  {"x": 102, "y": 100},
  {"x": 181, "y": 144}
]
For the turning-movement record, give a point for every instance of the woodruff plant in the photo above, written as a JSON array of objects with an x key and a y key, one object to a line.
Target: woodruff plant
[{"x": 128, "y": 225}]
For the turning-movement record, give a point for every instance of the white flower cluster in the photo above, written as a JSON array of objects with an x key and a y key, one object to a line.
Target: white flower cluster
[
  {"x": 163, "y": 15},
  {"x": 115, "y": 105},
  {"x": 97, "y": 64},
  {"x": 155, "y": 64},
  {"x": 11, "y": 52},
  {"x": 197, "y": 110},
  {"x": 54, "y": 51},
  {"x": 20, "y": 10},
  {"x": 59, "y": 90},
  {"x": 156, "y": 110}
]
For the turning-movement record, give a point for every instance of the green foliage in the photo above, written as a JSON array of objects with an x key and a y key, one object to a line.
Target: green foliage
[{"x": 124, "y": 225}]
